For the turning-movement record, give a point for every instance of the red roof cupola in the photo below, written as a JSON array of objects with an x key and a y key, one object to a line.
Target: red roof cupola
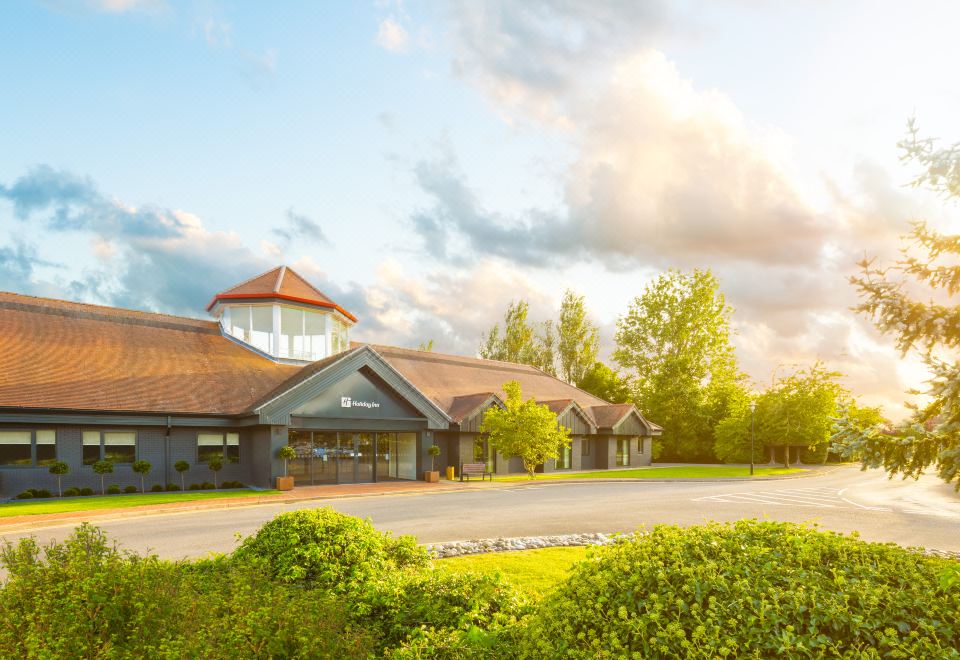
[{"x": 280, "y": 284}]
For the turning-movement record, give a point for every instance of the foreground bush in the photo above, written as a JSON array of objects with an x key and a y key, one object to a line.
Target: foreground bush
[
  {"x": 328, "y": 549},
  {"x": 84, "y": 598},
  {"x": 401, "y": 604},
  {"x": 749, "y": 589}
]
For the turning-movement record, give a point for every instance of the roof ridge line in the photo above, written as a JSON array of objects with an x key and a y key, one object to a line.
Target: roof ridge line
[
  {"x": 38, "y": 301},
  {"x": 279, "y": 283}
]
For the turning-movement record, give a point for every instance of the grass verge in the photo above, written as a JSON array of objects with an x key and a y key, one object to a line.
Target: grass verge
[
  {"x": 536, "y": 572},
  {"x": 682, "y": 472},
  {"x": 90, "y": 503}
]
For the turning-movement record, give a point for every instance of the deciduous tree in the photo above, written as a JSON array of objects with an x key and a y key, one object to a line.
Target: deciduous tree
[
  {"x": 797, "y": 410},
  {"x": 602, "y": 381},
  {"x": 525, "y": 429},
  {"x": 520, "y": 341},
  {"x": 578, "y": 339},
  {"x": 675, "y": 342}
]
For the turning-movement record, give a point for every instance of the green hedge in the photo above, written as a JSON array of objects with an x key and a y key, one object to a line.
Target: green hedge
[
  {"x": 85, "y": 598},
  {"x": 317, "y": 583},
  {"x": 328, "y": 549},
  {"x": 750, "y": 589}
]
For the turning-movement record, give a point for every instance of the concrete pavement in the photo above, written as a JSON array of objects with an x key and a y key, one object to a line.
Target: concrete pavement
[{"x": 924, "y": 513}]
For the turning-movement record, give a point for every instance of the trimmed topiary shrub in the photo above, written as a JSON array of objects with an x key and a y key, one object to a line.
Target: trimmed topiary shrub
[
  {"x": 130, "y": 489},
  {"x": 329, "y": 549},
  {"x": 206, "y": 485},
  {"x": 86, "y": 490},
  {"x": 196, "y": 487},
  {"x": 25, "y": 495},
  {"x": 232, "y": 484},
  {"x": 71, "y": 492},
  {"x": 172, "y": 487},
  {"x": 156, "y": 488},
  {"x": 41, "y": 493},
  {"x": 749, "y": 588},
  {"x": 113, "y": 489}
]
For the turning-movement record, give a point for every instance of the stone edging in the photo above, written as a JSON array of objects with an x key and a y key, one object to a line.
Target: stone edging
[{"x": 483, "y": 546}]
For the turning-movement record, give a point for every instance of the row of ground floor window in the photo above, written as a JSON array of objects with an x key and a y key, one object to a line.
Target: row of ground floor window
[{"x": 249, "y": 454}]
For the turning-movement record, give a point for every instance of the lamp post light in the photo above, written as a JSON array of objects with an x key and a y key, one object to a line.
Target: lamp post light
[{"x": 753, "y": 408}]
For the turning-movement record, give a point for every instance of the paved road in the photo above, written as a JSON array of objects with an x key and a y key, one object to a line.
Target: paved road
[{"x": 925, "y": 513}]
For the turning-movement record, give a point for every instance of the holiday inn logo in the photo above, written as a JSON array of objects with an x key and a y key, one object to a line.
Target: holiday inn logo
[{"x": 349, "y": 402}]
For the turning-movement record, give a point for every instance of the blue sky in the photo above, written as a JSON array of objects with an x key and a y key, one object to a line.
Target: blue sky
[{"x": 427, "y": 162}]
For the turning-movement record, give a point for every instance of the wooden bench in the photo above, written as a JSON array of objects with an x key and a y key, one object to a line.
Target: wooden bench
[{"x": 474, "y": 470}]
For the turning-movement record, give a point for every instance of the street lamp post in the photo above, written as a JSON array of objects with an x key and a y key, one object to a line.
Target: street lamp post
[{"x": 753, "y": 407}]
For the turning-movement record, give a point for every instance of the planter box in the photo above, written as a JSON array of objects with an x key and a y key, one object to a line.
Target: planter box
[
  {"x": 432, "y": 477},
  {"x": 284, "y": 483}
]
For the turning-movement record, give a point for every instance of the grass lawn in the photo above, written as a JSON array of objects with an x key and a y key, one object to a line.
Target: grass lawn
[
  {"x": 536, "y": 572},
  {"x": 681, "y": 472},
  {"x": 31, "y": 508}
]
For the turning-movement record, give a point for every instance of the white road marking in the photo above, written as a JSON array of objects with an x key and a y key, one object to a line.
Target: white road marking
[{"x": 817, "y": 497}]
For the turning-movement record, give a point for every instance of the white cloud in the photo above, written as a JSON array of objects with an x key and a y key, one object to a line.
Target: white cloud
[
  {"x": 392, "y": 36},
  {"x": 668, "y": 174}
]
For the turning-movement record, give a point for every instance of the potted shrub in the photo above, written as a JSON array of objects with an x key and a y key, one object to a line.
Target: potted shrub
[
  {"x": 431, "y": 475},
  {"x": 215, "y": 464},
  {"x": 59, "y": 468},
  {"x": 102, "y": 468},
  {"x": 287, "y": 453},
  {"x": 143, "y": 469},
  {"x": 180, "y": 467}
]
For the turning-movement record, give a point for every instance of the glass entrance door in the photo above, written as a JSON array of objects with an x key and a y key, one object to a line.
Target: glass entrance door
[
  {"x": 346, "y": 457},
  {"x": 355, "y": 457}
]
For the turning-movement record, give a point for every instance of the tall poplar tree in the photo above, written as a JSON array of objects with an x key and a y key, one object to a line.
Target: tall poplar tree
[
  {"x": 520, "y": 340},
  {"x": 675, "y": 342},
  {"x": 579, "y": 339}
]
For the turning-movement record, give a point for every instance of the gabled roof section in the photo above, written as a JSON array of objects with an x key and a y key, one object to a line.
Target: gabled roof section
[
  {"x": 281, "y": 283},
  {"x": 446, "y": 378},
  {"x": 469, "y": 405},
  {"x": 560, "y": 407},
  {"x": 613, "y": 415},
  {"x": 275, "y": 408}
]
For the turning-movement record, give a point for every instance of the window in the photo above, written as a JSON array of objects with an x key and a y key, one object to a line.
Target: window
[
  {"x": 639, "y": 445},
  {"x": 261, "y": 333},
  {"x": 623, "y": 451},
  {"x": 314, "y": 334},
  {"x": 226, "y": 445},
  {"x": 338, "y": 337},
  {"x": 240, "y": 322},
  {"x": 565, "y": 458},
  {"x": 585, "y": 447},
  {"x": 233, "y": 448},
  {"x": 482, "y": 451},
  {"x": 301, "y": 334},
  {"x": 118, "y": 447},
  {"x": 46, "y": 447},
  {"x": 91, "y": 447},
  {"x": 16, "y": 448}
]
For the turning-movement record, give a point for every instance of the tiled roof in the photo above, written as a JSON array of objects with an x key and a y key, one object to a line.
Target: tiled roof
[
  {"x": 464, "y": 406},
  {"x": 58, "y": 355},
  {"x": 281, "y": 283},
  {"x": 445, "y": 378},
  {"x": 63, "y": 355}
]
